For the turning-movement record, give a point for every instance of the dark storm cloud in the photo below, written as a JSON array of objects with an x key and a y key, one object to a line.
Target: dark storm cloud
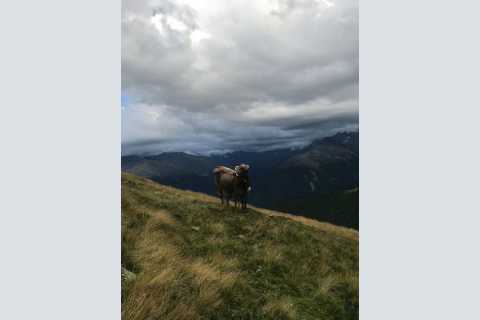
[
  {"x": 341, "y": 120},
  {"x": 218, "y": 75}
]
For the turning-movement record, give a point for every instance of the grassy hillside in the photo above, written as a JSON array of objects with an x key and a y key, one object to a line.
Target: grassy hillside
[{"x": 186, "y": 257}]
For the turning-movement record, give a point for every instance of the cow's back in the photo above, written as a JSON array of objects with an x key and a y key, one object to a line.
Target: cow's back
[
  {"x": 225, "y": 183},
  {"x": 224, "y": 178}
]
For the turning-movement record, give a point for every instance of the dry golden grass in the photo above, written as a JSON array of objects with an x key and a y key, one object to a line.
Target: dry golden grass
[
  {"x": 209, "y": 272},
  {"x": 326, "y": 284},
  {"x": 272, "y": 252},
  {"x": 165, "y": 271},
  {"x": 281, "y": 307},
  {"x": 217, "y": 227},
  {"x": 165, "y": 276},
  {"x": 211, "y": 281},
  {"x": 214, "y": 240},
  {"x": 223, "y": 262},
  {"x": 163, "y": 217},
  {"x": 194, "y": 259}
]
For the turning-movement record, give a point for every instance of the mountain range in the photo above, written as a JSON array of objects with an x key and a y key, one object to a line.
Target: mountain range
[{"x": 319, "y": 181}]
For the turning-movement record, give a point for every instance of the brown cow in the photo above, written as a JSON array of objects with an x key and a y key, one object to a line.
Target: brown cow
[{"x": 232, "y": 184}]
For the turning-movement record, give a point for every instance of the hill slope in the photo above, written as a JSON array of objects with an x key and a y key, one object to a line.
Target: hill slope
[
  {"x": 186, "y": 257},
  {"x": 313, "y": 181}
]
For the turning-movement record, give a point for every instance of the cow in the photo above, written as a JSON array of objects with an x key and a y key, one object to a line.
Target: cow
[
  {"x": 232, "y": 184},
  {"x": 243, "y": 188}
]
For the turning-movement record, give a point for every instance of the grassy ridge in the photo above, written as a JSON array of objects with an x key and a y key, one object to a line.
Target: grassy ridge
[{"x": 186, "y": 257}]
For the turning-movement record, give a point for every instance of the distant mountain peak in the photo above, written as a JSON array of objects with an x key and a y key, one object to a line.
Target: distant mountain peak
[{"x": 345, "y": 138}]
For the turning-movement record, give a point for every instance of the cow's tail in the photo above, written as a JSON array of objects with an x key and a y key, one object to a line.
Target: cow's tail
[{"x": 216, "y": 173}]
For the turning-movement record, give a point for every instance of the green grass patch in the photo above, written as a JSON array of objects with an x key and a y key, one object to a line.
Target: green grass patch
[{"x": 194, "y": 259}]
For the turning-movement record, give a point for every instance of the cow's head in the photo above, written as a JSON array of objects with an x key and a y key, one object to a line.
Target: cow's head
[{"x": 242, "y": 171}]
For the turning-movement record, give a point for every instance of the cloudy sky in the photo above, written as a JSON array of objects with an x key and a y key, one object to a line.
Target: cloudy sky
[{"x": 206, "y": 76}]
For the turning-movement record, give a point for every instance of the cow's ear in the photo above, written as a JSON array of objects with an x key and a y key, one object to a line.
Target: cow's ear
[{"x": 237, "y": 168}]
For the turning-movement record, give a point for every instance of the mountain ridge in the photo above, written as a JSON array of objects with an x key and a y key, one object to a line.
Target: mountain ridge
[{"x": 311, "y": 181}]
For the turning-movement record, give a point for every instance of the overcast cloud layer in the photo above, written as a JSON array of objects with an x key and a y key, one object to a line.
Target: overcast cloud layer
[{"x": 214, "y": 75}]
